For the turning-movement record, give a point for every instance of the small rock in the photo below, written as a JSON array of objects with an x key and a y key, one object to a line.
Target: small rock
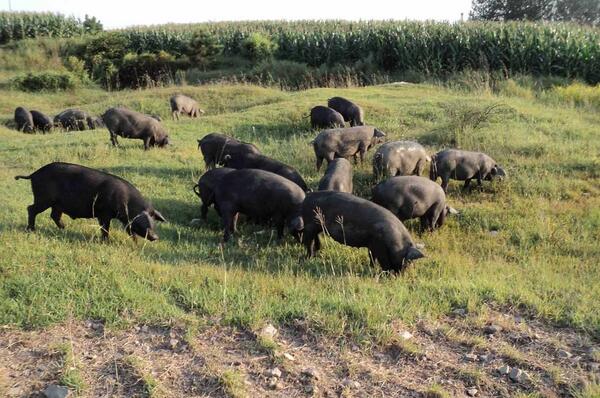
[
  {"x": 288, "y": 356},
  {"x": 504, "y": 370},
  {"x": 459, "y": 312},
  {"x": 406, "y": 335},
  {"x": 348, "y": 383},
  {"x": 273, "y": 383},
  {"x": 54, "y": 391},
  {"x": 518, "y": 376},
  {"x": 492, "y": 329},
  {"x": 275, "y": 372},
  {"x": 471, "y": 357},
  {"x": 485, "y": 358},
  {"x": 564, "y": 354},
  {"x": 196, "y": 223},
  {"x": 311, "y": 372},
  {"x": 525, "y": 378},
  {"x": 145, "y": 328},
  {"x": 493, "y": 232},
  {"x": 471, "y": 392},
  {"x": 268, "y": 331},
  {"x": 515, "y": 374},
  {"x": 173, "y": 343},
  {"x": 420, "y": 246}
]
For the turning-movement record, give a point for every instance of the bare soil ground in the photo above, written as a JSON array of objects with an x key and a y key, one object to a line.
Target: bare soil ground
[{"x": 459, "y": 355}]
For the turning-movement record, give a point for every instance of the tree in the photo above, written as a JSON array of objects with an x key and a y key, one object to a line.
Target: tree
[
  {"x": 204, "y": 48},
  {"x": 92, "y": 25},
  {"x": 583, "y": 11},
  {"x": 509, "y": 10}
]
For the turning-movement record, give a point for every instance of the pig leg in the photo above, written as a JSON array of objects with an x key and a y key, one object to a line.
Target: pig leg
[
  {"x": 420, "y": 167},
  {"x": 361, "y": 151},
  {"x": 33, "y": 211},
  {"x": 319, "y": 162},
  {"x": 229, "y": 217},
  {"x": 113, "y": 138},
  {"x": 203, "y": 211},
  {"x": 146, "y": 143},
  {"x": 105, "y": 227},
  {"x": 279, "y": 225},
  {"x": 380, "y": 255},
  {"x": 467, "y": 183},
  {"x": 310, "y": 235},
  {"x": 445, "y": 181},
  {"x": 441, "y": 218},
  {"x": 56, "y": 215}
]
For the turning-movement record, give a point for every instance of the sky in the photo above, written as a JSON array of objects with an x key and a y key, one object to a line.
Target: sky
[{"x": 122, "y": 13}]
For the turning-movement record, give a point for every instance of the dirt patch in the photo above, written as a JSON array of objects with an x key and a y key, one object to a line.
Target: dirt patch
[{"x": 455, "y": 355}]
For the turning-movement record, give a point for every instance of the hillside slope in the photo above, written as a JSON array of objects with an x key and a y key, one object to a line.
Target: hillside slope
[{"x": 526, "y": 248}]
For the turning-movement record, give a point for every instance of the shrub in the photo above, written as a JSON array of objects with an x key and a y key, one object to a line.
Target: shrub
[
  {"x": 45, "y": 81},
  {"x": 143, "y": 70},
  {"x": 258, "y": 47},
  {"x": 287, "y": 74},
  {"x": 576, "y": 94},
  {"x": 77, "y": 67}
]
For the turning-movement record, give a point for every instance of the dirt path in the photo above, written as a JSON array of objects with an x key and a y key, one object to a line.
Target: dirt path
[{"x": 460, "y": 355}]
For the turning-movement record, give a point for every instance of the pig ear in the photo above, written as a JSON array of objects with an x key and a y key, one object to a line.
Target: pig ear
[
  {"x": 413, "y": 254},
  {"x": 157, "y": 216},
  {"x": 452, "y": 210},
  {"x": 379, "y": 133}
]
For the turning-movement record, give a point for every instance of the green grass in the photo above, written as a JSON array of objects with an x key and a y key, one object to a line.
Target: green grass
[
  {"x": 543, "y": 259},
  {"x": 138, "y": 368},
  {"x": 70, "y": 374},
  {"x": 232, "y": 382}
]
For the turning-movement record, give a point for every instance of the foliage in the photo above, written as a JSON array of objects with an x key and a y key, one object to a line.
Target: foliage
[
  {"x": 91, "y": 25},
  {"x": 510, "y": 10},
  {"x": 45, "y": 81},
  {"x": 22, "y": 25},
  {"x": 258, "y": 47},
  {"x": 582, "y": 11},
  {"x": 204, "y": 48},
  {"x": 144, "y": 70},
  {"x": 436, "y": 49}
]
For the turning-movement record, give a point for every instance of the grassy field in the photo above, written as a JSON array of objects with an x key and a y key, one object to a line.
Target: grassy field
[{"x": 529, "y": 244}]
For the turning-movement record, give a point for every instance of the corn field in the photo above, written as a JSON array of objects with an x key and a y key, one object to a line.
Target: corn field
[
  {"x": 27, "y": 25},
  {"x": 430, "y": 48},
  {"x": 433, "y": 48}
]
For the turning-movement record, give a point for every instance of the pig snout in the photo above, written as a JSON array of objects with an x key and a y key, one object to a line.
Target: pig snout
[{"x": 151, "y": 236}]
